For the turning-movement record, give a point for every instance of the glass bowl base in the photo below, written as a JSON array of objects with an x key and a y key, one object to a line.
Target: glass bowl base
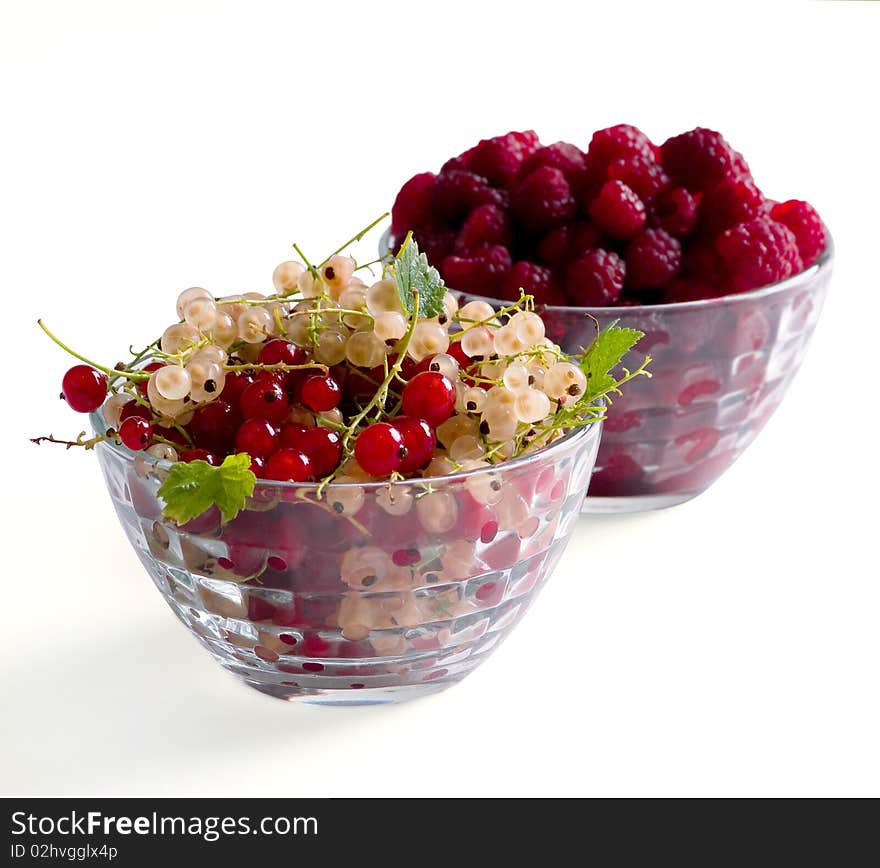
[
  {"x": 363, "y": 696},
  {"x": 635, "y": 503}
]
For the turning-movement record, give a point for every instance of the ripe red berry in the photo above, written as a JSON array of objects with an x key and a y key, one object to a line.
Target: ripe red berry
[
  {"x": 258, "y": 437},
  {"x": 485, "y": 225},
  {"x": 595, "y": 279},
  {"x": 379, "y": 449},
  {"x": 199, "y": 455},
  {"x": 569, "y": 159},
  {"x": 288, "y": 465},
  {"x": 132, "y": 408},
  {"x": 290, "y": 433},
  {"x": 697, "y": 159},
  {"x": 535, "y": 280},
  {"x": 281, "y": 352},
  {"x": 542, "y": 200},
  {"x": 429, "y": 396},
  {"x": 320, "y": 393},
  {"x": 457, "y": 193},
  {"x": 758, "y": 253},
  {"x": 499, "y": 159},
  {"x": 236, "y": 383},
  {"x": 84, "y": 388},
  {"x": 412, "y": 207},
  {"x": 264, "y": 399},
  {"x": 135, "y": 433},
  {"x": 653, "y": 258},
  {"x": 617, "y": 210},
  {"x": 480, "y": 273},
  {"x": 213, "y": 426},
  {"x": 419, "y": 440},
  {"x": 806, "y": 224},
  {"x": 674, "y": 210},
  {"x": 323, "y": 447},
  {"x": 614, "y": 143}
]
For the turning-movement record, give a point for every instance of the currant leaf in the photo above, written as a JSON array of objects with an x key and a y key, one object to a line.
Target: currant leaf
[
  {"x": 604, "y": 355},
  {"x": 193, "y": 487},
  {"x": 412, "y": 272}
]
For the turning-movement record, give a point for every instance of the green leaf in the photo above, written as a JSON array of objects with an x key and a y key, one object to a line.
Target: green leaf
[
  {"x": 605, "y": 354},
  {"x": 193, "y": 487},
  {"x": 412, "y": 272}
]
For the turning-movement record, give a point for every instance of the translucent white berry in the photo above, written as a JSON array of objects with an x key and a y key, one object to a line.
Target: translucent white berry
[
  {"x": 286, "y": 276},
  {"x": 208, "y": 379},
  {"x": 446, "y": 365},
  {"x": 395, "y": 499},
  {"x": 353, "y": 297},
  {"x": 428, "y": 339},
  {"x": 330, "y": 349},
  {"x": 337, "y": 272},
  {"x": 450, "y": 307},
  {"x": 564, "y": 380},
  {"x": 485, "y": 487},
  {"x": 113, "y": 408},
  {"x": 165, "y": 407},
  {"x": 531, "y": 406},
  {"x": 528, "y": 326},
  {"x": 173, "y": 382},
  {"x": 440, "y": 465},
  {"x": 297, "y": 330},
  {"x": 454, "y": 427},
  {"x": 390, "y": 326},
  {"x": 254, "y": 325},
  {"x": 382, "y": 296},
  {"x": 201, "y": 313},
  {"x": 507, "y": 342},
  {"x": 224, "y": 331},
  {"x": 475, "y": 312},
  {"x": 162, "y": 451},
  {"x": 345, "y": 499},
  {"x": 189, "y": 295},
  {"x": 477, "y": 342},
  {"x": 365, "y": 350},
  {"x": 466, "y": 448},
  {"x": 516, "y": 377},
  {"x": 308, "y": 286},
  {"x": 499, "y": 422},
  {"x": 178, "y": 337},
  {"x": 474, "y": 399}
]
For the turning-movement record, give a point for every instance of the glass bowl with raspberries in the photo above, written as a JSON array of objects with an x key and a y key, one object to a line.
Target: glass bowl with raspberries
[
  {"x": 334, "y": 506},
  {"x": 674, "y": 240}
]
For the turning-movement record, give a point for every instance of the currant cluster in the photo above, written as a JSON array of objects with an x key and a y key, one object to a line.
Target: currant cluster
[
  {"x": 329, "y": 378},
  {"x": 624, "y": 222}
]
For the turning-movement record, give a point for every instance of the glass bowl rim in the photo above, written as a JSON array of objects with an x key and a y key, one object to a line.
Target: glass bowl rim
[
  {"x": 592, "y": 429},
  {"x": 821, "y": 265}
]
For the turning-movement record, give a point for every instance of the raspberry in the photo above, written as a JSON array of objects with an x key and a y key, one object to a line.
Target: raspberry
[
  {"x": 498, "y": 159},
  {"x": 567, "y": 242},
  {"x": 485, "y": 225},
  {"x": 435, "y": 243},
  {"x": 653, "y": 258},
  {"x": 757, "y": 253},
  {"x": 569, "y": 159},
  {"x": 542, "y": 200},
  {"x": 412, "y": 207},
  {"x": 595, "y": 279},
  {"x": 674, "y": 210},
  {"x": 730, "y": 202},
  {"x": 689, "y": 289},
  {"x": 643, "y": 175},
  {"x": 617, "y": 210},
  {"x": 614, "y": 143},
  {"x": 480, "y": 274},
  {"x": 805, "y": 223},
  {"x": 457, "y": 193},
  {"x": 700, "y": 261},
  {"x": 535, "y": 280},
  {"x": 698, "y": 159}
]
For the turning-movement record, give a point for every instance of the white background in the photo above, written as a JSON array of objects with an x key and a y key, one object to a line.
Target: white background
[{"x": 725, "y": 647}]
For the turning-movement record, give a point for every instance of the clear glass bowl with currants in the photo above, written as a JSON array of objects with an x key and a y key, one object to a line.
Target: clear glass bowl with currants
[
  {"x": 335, "y": 505},
  {"x": 675, "y": 240}
]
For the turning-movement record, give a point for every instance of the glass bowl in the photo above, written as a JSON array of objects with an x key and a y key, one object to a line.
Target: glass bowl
[
  {"x": 375, "y": 593},
  {"x": 720, "y": 368}
]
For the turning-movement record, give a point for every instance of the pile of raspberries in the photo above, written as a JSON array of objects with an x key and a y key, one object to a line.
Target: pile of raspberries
[{"x": 624, "y": 222}]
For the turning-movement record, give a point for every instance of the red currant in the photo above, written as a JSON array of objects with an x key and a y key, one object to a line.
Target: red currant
[
  {"x": 419, "y": 439},
  {"x": 213, "y": 426},
  {"x": 429, "y": 396},
  {"x": 324, "y": 448},
  {"x": 320, "y": 393},
  {"x": 281, "y": 352},
  {"x": 258, "y": 466},
  {"x": 132, "y": 408},
  {"x": 257, "y": 437},
  {"x": 135, "y": 433},
  {"x": 290, "y": 434},
  {"x": 236, "y": 383},
  {"x": 379, "y": 449},
  {"x": 199, "y": 455},
  {"x": 264, "y": 399},
  {"x": 84, "y": 388},
  {"x": 288, "y": 465}
]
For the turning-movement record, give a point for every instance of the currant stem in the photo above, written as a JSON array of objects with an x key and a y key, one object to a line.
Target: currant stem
[
  {"x": 69, "y": 444},
  {"x": 111, "y": 372},
  {"x": 357, "y": 237},
  {"x": 278, "y": 366},
  {"x": 381, "y": 393}
]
